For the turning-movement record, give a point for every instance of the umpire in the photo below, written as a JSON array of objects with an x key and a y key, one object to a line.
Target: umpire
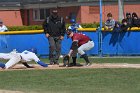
[{"x": 54, "y": 29}]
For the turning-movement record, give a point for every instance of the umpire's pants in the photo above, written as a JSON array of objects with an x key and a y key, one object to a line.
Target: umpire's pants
[{"x": 54, "y": 48}]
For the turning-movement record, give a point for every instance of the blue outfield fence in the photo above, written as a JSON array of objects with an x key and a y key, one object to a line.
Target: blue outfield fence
[
  {"x": 121, "y": 43},
  {"x": 113, "y": 43}
]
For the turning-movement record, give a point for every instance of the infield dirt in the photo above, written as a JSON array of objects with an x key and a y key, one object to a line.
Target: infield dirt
[{"x": 93, "y": 66}]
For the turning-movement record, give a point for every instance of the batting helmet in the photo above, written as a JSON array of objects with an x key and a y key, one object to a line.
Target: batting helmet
[
  {"x": 34, "y": 50},
  {"x": 72, "y": 20}
]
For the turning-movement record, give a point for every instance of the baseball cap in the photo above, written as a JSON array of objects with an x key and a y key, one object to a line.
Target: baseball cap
[
  {"x": 54, "y": 11},
  {"x": 72, "y": 20},
  {"x": 34, "y": 50}
]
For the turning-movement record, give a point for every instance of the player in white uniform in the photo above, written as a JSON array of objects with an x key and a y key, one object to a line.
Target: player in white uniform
[
  {"x": 23, "y": 57},
  {"x": 74, "y": 26},
  {"x": 3, "y": 28}
]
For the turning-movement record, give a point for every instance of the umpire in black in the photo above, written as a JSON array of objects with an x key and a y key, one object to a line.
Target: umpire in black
[{"x": 54, "y": 29}]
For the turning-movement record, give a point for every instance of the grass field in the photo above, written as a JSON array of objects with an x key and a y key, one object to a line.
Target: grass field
[
  {"x": 105, "y": 80},
  {"x": 107, "y": 60}
]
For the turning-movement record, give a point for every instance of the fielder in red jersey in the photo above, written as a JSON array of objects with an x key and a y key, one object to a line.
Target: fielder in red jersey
[
  {"x": 81, "y": 38},
  {"x": 80, "y": 44}
]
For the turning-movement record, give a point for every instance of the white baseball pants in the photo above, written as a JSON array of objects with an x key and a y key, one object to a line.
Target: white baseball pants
[{"x": 14, "y": 58}]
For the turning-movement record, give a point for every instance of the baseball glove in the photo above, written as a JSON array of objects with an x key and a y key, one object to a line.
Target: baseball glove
[{"x": 66, "y": 60}]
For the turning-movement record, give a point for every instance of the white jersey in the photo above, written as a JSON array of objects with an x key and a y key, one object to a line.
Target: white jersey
[
  {"x": 15, "y": 58},
  {"x": 3, "y": 28},
  {"x": 28, "y": 56}
]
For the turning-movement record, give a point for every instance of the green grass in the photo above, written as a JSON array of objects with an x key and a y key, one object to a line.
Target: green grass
[
  {"x": 106, "y": 60},
  {"x": 116, "y": 60},
  {"x": 72, "y": 81},
  {"x": 75, "y": 80},
  {"x": 99, "y": 60}
]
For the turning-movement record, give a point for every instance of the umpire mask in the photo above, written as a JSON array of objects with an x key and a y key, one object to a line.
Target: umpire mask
[{"x": 54, "y": 13}]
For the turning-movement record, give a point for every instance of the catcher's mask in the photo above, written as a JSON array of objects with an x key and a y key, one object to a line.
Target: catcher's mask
[{"x": 66, "y": 60}]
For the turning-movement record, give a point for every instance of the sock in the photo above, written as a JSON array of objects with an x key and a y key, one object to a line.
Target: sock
[
  {"x": 85, "y": 58},
  {"x": 74, "y": 60}
]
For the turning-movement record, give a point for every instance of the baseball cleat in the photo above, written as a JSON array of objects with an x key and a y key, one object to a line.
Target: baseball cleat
[{"x": 87, "y": 64}]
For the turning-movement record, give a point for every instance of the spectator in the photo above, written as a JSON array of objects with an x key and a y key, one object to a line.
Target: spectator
[
  {"x": 135, "y": 20},
  {"x": 3, "y": 28},
  {"x": 110, "y": 22},
  {"x": 121, "y": 27},
  {"x": 129, "y": 19},
  {"x": 54, "y": 29},
  {"x": 124, "y": 25},
  {"x": 74, "y": 26},
  {"x": 117, "y": 27},
  {"x": 80, "y": 44}
]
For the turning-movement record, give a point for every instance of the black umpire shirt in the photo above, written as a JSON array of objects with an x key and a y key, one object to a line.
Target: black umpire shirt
[{"x": 55, "y": 27}]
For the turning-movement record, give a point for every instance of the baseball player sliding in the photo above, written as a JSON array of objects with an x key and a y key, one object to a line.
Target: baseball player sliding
[
  {"x": 14, "y": 57},
  {"x": 80, "y": 44}
]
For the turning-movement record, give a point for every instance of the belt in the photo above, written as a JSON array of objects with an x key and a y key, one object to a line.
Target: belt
[
  {"x": 20, "y": 56},
  {"x": 90, "y": 40}
]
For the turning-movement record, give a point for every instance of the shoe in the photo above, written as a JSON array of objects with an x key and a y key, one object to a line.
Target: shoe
[
  {"x": 56, "y": 63},
  {"x": 72, "y": 64},
  {"x": 88, "y": 64},
  {"x": 64, "y": 66},
  {"x": 51, "y": 63}
]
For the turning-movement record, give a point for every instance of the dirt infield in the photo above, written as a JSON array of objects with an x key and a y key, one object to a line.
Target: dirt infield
[
  {"x": 101, "y": 65},
  {"x": 8, "y": 91}
]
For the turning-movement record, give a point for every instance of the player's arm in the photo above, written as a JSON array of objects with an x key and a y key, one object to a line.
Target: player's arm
[
  {"x": 27, "y": 65},
  {"x": 70, "y": 52},
  {"x": 63, "y": 29},
  {"x": 42, "y": 64},
  {"x": 74, "y": 45},
  {"x": 37, "y": 60},
  {"x": 45, "y": 25}
]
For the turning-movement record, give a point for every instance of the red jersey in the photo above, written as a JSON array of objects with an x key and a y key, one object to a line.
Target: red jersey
[{"x": 81, "y": 38}]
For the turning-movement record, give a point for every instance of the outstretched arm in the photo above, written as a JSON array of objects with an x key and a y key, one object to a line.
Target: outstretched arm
[
  {"x": 27, "y": 65},
  {"x": 42, "y": 64},
  {"x": 37, "y": 60}
]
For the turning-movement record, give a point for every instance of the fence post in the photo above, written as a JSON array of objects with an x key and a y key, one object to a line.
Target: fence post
[{"x": 100, "y": 32}]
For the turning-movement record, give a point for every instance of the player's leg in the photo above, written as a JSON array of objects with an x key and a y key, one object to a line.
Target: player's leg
[
  {"x": 58, "y": 50},
  {"x": 81, "y": 50},
  {"x": 51, "y": 49},
  {"x": 13, "y": 61},
  {"x": 5, "y": 56},
  {"x": 74, "y": 57},
  {"x": 85, "y": 47}
]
